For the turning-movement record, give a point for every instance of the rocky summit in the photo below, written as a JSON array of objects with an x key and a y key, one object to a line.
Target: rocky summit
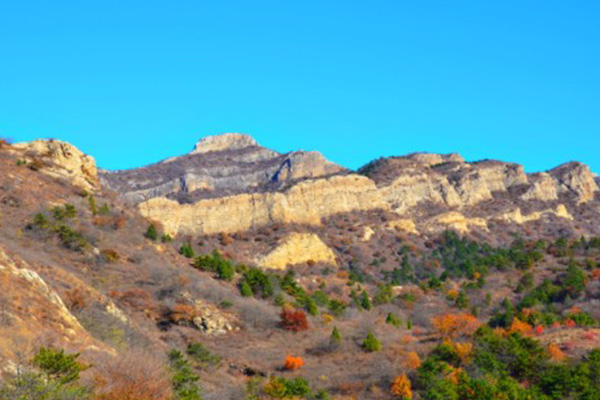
[{"x": 238, "y": 272}]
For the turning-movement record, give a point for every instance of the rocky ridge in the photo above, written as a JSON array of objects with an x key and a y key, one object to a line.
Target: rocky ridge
[{"x": 229, "y": 183}]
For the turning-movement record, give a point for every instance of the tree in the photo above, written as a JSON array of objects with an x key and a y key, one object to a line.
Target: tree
[
  {"x": 412, "y": 361},
  {"x": 246, "y": 290},
  {"x": 451, "y": 326},
  {"x": 393, "y": 319},
  {"x": 185, "y": 381},
  {"x": 151, "y": 232},
  {"x": 462, "y": 301},
  {"x": 58, "y": 365},
  {"x": 371, "y": 343},
  {"x": 401, "y": 387},
  {"x": 93, "y": 206},
  {"x": 365, "y": 301},
  {"x": 186, "y": 250},
  {"x": 336, "y": 337},
  {"x": 293, "y": 320}
]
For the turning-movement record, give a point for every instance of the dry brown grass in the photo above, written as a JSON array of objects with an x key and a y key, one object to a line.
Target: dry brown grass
[{"x": 135, "y": 375}]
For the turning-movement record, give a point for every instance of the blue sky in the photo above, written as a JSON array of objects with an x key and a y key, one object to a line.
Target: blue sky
[{"x": 133, "y": 82}]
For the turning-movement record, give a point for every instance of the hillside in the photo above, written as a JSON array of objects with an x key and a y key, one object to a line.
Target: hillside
[{"x": 247, "y": 272}]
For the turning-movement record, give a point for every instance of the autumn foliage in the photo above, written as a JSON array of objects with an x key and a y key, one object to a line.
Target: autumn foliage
[
  {"x": 293, "y": 363},
  {"x": 520, "y": 327},
  {"x": 293, "y": 320},
  {"x": 452, "y": 326},
  {"x": 555, "y": 352},
  {"x": 412, "y": 361},
  {"x": 401, "y": 387}
]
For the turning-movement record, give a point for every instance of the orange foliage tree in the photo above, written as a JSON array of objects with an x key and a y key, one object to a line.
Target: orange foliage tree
[
  {"x": 401, "y": 387},
  {"x": 451, "y": 326},
  {"x": 293, "y": 363},
  {"x": 464, "y": 351},
  {"x": 412, "y": 361},
  {"x": 520, "y": 327},
  {"x": 555, "y": 352}
]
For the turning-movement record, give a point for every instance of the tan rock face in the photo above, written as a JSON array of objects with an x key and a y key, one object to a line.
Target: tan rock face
[
  {"x": 456, "y": 221},
  {"x": 298, "y": 248},
  {"x": 305, "y": 203},
  {"x": 226, "y": 141},
  {"x": 61, "y": 160},
  {"x": 576, "y": 179},
  {"x": 406, "y": 225},
  {"x": 542, "y": 187},
  {"x": 517, "y": 216}
]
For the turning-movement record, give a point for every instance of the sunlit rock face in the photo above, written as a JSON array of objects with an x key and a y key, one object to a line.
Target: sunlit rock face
[{"x": 229, "y": 183}]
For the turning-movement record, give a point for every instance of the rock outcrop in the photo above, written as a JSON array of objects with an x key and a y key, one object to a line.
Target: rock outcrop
[
  {"x": 298, "y": 248},
  {"x": 576, "y": 179},
  {"x": 226, "y": 141},
  {"x": 61, "y": 160}
]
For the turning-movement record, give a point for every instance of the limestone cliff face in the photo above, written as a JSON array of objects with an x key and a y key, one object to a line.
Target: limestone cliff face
[
  {"x": 304, "y": 203},
  {"x": 61, "y": 160},
  {"x": 576, "y": 179},
  {"x": 541, "y": 187},
  {"x": 229, "y": 183},
  {"x": 298, "y": 248}
]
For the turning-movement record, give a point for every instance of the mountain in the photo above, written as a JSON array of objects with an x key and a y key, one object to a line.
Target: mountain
[{"x": 232, "y": 265}]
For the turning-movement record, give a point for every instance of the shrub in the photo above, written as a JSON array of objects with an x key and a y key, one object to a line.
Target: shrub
[
  {"x": 393, "y": 319},
  {"x": 110, "y": 256},
  {"x": 336, "y": 337},
  {"x": 293, "y": 320},
  {"x": 259, "y": 282},
  {"x": 72, "y": 239},
  {"x": 151, "y": 232},
  {"x": 93, "y": 206},
  {"x": 281, "y": 388},
  {"x": 365, "y": 301},
  {"x": 412, "y": 361},
  {"x": 57, "y": 365},
  {"x": 451, "y": 326},
  {"x": 202, "y": 356},
  {"x": 166, "y": 238},
  {"x": 246, "y": 290},
  {"x": 371, "y": 343},
  {"x": 401, "y": 387},
  {"x": 134, "y": 375},
  {"x": 104, "y": 210},
  {"x": 293, "y": 363},
  {"x": 186, "y": 250},
  {"x": 217, "y": 263},
  {"x": 185, "y": 381}
]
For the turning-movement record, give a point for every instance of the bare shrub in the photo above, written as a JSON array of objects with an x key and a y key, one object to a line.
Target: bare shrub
[
  {"x": 75, "y": 299},
  {"x": 136, "y": 375}
]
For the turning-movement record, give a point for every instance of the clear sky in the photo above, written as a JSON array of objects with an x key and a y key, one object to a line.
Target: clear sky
[{"x": 133, "y": 82}]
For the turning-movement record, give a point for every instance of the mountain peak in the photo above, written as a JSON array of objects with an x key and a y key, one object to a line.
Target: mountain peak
[{"x": 224, "y": 141}]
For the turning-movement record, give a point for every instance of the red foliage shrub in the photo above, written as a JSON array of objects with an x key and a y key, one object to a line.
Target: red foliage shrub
[{"x": 293, "y": 320}]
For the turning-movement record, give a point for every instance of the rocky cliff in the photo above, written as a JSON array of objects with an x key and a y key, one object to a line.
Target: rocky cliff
[{"x": 229, "y": 183}]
